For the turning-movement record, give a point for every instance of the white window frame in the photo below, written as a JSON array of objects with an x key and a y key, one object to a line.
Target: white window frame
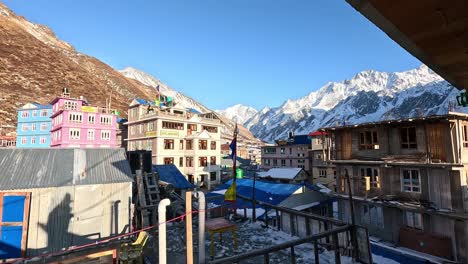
[
  {"x": 34, "y": 113},
  {"x": 25, "y": 127},
  {"x": 42, "y": 140},
  {"x": 24, "y": 140},
  {"x": 105, "y": 120},
  {"x": 25, "y": 114},
  {"x": 322, "y": 173},
  {"x": 75, "y": 117},
  {"x": 74, "y": 134},
  {"x": 410, "y": 185},
  {"x": 150, "y": 126},
  {"x": 90, "y": 135},
  {"x": 105, "y": 135},
  {"x": 44, "y": 113},
  {"x": 70, "y": 105},
  {"x": 33, "y": 140},
  {"x": 91, "y": 118},
  {"x": 43, "y": 127},
  {"x": 412, "y": 219}
]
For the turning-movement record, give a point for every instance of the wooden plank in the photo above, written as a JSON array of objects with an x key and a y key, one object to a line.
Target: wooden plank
[
  {"x": 188, "y": 222},
  {"x": 96, "y": 255}
]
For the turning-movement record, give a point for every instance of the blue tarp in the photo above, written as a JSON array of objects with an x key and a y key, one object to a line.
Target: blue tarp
[
  {"x": 268, "y": 192},
  {"x": 169, "y": 173}
]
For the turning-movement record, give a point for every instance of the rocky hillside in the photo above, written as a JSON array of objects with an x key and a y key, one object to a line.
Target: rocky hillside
[
  {"x": 35, "y": 65},
  {"x": 368, "y": 96}
]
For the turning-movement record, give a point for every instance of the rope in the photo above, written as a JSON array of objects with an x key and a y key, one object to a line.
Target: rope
[{"x": 73, "y": 248}]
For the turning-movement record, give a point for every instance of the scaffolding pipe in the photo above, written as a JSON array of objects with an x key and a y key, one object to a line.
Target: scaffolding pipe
[
  {"x": 201, "y": 226},
  {"x": 162, "y": 230}
]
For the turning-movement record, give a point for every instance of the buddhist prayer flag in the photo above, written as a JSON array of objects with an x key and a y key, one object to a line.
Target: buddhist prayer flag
[{"x": 230, "y": 194}]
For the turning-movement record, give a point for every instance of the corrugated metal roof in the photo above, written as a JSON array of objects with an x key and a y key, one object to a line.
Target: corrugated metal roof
[
  {"x": 280, "y": 173},
  {"x": 36, "y": 168}
]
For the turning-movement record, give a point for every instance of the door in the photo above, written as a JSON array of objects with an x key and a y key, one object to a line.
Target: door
[{"x": 14, "y": 215}]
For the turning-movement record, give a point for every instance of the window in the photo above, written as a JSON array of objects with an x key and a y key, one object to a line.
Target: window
[
  {"x": 168, "y": 161},
  {"x": 181, "y": 144},
  {"x": 140, "y": 128},
  {"x": 168, "y": 144},
  {"x": 75, "y": 117},
  {"x": 149, "y": 144},
  {"x": 373, "y": 174},
  {"x": 24, "y": 127},
  {"x": 70, "y": 105},
  {"x": 372, "y": 215},
  {"x": 213, "y": 160},
  {"x": 213, "y": 176},
  {"x": 105, "y": 135},
  {"x": 414, "y": 220},
  {"x": 106, "y": 120},
  {"x": 368, "y": 140},
  {"x": 33, "y": 127},
  {"x": 191, "y": 128},
  {"x": 213, "y": 145},
  {"x": 322, "y": 173},
  {"x": 301, "y": 166},
  {"x": 290, "y": 163},
  {"x": 74, "y": 133},
  {"x": 189, "y": 162},
  {"x": 91, "y": 119},
  {"x": 283, "y": 163},
  {"x": 275, "y": 162},
  {"x": 266, "y": 162},
  {"x": 139, "y": 144},
  {"x": 24, "y": 140},
  {"x": 202, "y": 161},
  {"x": 34, "y": 113},
  {"x": 44, "y": 113},
  {"x": 172, "y": 125},
  {"x": 24, "y": 114},
  {"x": 189, "y": 145},
  {"x": 150, "y": 126},
  {"x": 408, "y": 137},
  {"x": 181, "y": 162},
  {"x": 210, "y": 129},
  {"x": 202, "y": 144},
  {"x": 282, "y": 150},
  {"x": 269, "y": 150},
  {"x": 42, "y": 140},
  {"x": 43, "y": 126},
  {"x": 411, "y": 181},
  {"x": 290, "y": 151},
  {"x": 465, "y": 136},
  {"x": 33, "y": 140},
  {"x": 132, "y": 130},
  {"x": 90, "y": 135}
]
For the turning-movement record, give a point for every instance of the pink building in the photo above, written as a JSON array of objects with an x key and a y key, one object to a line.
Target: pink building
[{"x": 76, "y": 124}]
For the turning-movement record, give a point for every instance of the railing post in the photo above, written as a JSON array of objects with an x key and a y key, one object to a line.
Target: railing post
[
  {"x": 307, "y": 222},
  {"x": 293, "y": 256},
  {"x": 337, "y": 248},
  {"x": 266, "y": 258},
  {"x": 277, "y": 219},
  {"x": 266, "y": 216},
  {"x": 316, "y": 253},
  {"x": 162, "y": 229},
  {"x": 201, "y": 226}
]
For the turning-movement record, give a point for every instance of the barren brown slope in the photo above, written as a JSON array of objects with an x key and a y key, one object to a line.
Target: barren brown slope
[{"x": 35, "y": 66}]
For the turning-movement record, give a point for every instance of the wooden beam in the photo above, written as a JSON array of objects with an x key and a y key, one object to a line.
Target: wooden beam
[{"x": 112, "y": 252}]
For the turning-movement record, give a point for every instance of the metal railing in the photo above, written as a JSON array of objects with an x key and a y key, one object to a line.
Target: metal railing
[{"x": 319, "y": 230}]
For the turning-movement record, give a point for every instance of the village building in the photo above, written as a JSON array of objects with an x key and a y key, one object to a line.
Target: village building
[
  {"x": 77, "y": 124},
  {"x": 284, "y": 175},
  {"x": 186, "y": 138},
  {"x": 7, "y": 141},
  {"x": 291, "y": 153},
  {"x": 408, "y": 180},
  {"x": 62, "y": 198},
  {"x": 34, "y": 124},
  {"x": 321, "y": 171}
]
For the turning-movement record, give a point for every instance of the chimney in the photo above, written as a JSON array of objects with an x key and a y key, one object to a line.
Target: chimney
[{"x": 291, "y": 135}]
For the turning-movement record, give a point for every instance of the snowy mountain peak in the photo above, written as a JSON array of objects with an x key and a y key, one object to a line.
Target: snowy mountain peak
[
  {"x": 238, "y": 113},
  {"x": 368, "y": 96}
]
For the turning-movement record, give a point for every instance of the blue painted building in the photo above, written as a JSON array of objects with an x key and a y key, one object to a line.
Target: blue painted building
[{"x": 34, "y": 124}]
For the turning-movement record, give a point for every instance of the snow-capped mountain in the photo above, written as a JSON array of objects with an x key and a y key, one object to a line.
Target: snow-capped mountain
[
  {"x": 147, "y": 79},
  {"x": 238, "y": 113},
  {"x": 368, "y": 96}
]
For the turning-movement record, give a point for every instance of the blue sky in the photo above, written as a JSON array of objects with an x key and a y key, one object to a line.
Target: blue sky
[{"x": 223, "y": 52}]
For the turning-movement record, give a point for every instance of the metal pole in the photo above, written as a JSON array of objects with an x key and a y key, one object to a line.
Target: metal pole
[
  {"x": 201, "y": 226},
  {"x": 353, "y": 221},
  {"x": 254, "y": 214},
  {"x": 162, "y": 230}
]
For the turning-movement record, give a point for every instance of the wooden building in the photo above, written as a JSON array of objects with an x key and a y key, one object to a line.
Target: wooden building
[
  {"x": 321, "y": 171},
  {"x": 52, "y": 199},
  {"x": 409, "y": 181}
]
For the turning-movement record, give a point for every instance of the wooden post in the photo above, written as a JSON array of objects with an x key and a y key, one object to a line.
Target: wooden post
[
  {"x": 277, "y": 219},
  {"x": 188, "y": 226},
  {"x": 337, "y": 248}
]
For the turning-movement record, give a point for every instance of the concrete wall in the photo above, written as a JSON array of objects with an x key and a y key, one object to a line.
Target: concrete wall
[{"x": 75, "y": 215}]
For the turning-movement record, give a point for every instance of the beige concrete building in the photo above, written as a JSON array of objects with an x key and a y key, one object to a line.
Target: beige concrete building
[
  {"x": 291, "y": 153},
  {"x": 409, "y": 181},
  {"x": 321, "y": 171},
  {"x": 186, "y": 138}
]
